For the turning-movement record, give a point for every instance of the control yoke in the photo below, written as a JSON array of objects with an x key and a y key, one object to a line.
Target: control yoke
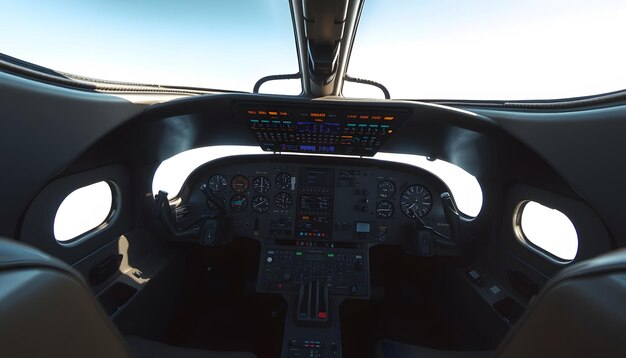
[{"x": 209, "y": 230}]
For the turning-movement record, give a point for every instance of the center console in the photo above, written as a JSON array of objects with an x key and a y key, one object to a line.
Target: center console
[
  {"x": 314, "y": 281},
  {"x": 311, "y": 272}
]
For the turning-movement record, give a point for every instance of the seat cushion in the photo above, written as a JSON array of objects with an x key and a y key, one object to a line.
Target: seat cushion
[
  {"x": 143, "y": 348},
  {"x": 390, "y": 349}
]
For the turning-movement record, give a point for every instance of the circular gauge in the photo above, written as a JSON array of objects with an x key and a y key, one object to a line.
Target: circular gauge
[
  {"x": 238, "y": 202},
  {"x": 386, "y": 188},
  {"x": 240, "y": 183},
  {"x": 261, "y": 184},
  {"x": 283, "y": 200},
  {"x": 260, "y": 204},
  {"x": 416, "y": 199},
  {"x": 283, "y": 181},
  {"x": 217, "y": 183},
  {"x": 384, "y": 209}
]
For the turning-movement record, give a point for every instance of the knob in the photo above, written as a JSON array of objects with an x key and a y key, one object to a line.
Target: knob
[
  {"x": 269, "y": 259},
  {"x": 286, "y": 276}
]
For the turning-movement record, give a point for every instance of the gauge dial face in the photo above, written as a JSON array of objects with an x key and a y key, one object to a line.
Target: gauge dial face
[
  {"x": 416, "y": 199},
  {"x": 386, "y": 189},
  {"x": 384, "y": 209},
  {"x": 238, "y": 203},
  {"x": 239, "y": 183},
  {"x": 217, "y": 183},
  {"x": 283, "y": 181},
  {"x": 260, "y": 204},
  {"x": 283, "y": 200},
  {"x": 261, "y": 184}
]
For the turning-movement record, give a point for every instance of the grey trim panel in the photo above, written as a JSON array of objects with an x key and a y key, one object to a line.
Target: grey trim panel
[
  {"x": 585, "y": 148},
  {"x": 38, "y": 223},
  {"x": 45, "y": 128}
]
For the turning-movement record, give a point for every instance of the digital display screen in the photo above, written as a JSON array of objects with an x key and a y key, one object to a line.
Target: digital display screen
[
  {"x": 363, "y": 227},
  {"x": 318, "y": 177},
  {"x": 309, "y": 202}
]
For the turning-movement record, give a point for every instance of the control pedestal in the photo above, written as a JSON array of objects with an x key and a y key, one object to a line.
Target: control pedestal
[
  {"x": 312, "y": 336},
  {"x": 314, "y": 281},
  {"x": 343, "y": 271}
]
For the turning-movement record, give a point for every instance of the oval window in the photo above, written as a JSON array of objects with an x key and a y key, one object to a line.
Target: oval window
[
  {"x": 548, "y": 230},
  {"x": 83, "y": 210}
]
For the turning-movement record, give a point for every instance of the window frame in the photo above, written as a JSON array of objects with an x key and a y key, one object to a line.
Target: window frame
[
  {"x": 526, "y": 242},
  {"x": 110, "y": 218}
]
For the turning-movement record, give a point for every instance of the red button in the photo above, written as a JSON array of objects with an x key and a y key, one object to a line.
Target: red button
[{"x": 321, "y": 315}]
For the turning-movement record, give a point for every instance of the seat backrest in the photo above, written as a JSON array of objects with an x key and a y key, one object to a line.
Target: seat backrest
[
  {"x": 581, "y": 312},
  {"x": 47, "y": 310}
]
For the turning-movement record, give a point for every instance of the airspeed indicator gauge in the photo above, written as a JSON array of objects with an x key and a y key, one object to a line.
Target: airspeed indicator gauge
[
  {"x": 261, "y": 184},
  {"x": 283, "y": 200},
  {"x": 260, "y": 204},
  {"x": 384, "y": 209},
  {"x": 217, "y": 183},
  {"x": 416, "y": 199},
  {"x": 386, "y": 188},
  {"x": 283, "y": 181}
]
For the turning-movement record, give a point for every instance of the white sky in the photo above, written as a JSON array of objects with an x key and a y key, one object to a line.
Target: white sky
[{"x": 446, "y": 49}]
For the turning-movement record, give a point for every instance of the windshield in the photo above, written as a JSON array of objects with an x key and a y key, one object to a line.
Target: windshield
[
  {"x": 484, "y": 49},
  {"x": 444, "y": 49},
  {"x": 211, "y": 44}
]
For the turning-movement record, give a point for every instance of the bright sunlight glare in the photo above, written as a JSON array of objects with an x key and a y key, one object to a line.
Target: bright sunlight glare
[
  {"x": 83, "y": 210},
  {"x": 172, "y": 173},
  {"x": 550, "y": 230}
]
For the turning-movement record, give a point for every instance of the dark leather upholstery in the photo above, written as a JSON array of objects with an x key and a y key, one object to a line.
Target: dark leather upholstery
[
  {"x": 391, "y": 349},
  {"x": 143, "y": 348},
  {"x": 47, "y": 310},
  {"x": 581, "y": 312}
]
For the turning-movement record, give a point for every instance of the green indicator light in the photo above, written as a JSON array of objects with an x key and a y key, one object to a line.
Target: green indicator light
[
  {"x": 298, "y": 253},
  {"x": 331, "y": 255}
]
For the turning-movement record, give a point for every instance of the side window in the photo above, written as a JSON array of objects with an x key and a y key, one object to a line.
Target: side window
[
  {"x": 546, "y": 230},
  {"x": 83, "y": 210}
]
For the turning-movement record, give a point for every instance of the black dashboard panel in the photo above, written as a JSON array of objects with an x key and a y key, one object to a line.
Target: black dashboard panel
[{"x": 298, "y": 201}]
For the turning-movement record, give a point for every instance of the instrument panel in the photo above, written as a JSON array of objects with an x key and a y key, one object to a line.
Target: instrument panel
[{"x": 316, "y": 201}]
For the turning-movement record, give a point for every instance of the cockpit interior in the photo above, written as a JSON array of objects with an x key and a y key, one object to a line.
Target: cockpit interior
[{"x": 245, "y": 224}]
